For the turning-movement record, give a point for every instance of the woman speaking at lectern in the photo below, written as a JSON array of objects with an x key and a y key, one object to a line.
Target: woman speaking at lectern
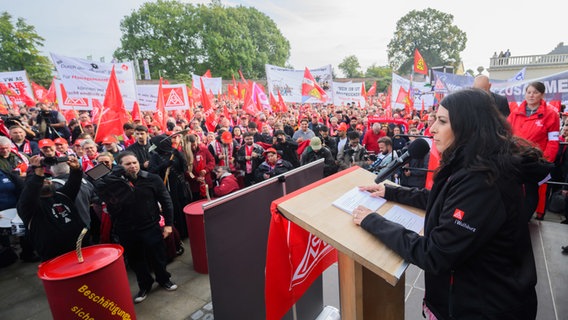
[{"x": 476, "y": 249}]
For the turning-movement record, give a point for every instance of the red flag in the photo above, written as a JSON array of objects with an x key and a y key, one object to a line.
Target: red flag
[
  {"x": 161, "y": 115},
  {"x": 422, "y": 110},
  {"x": 295, "y": 258},
  {"x": 114, "y": 115},
  {"x": 70, "y": 115},
  {"x": 388, "y": 98},
  {"x": 51, "y": 95},
  {"x": 23, "y": 96},
  {"x": 208, "y": 111},
  {"x": 234, "y": 81},
  {"x": 188, "y": 115},
  {"x": 242, "y": 77},
  {"x": 136, "y": 115},
  {"x": 273, "y": 103},
  {"x": 401, "y": 97},
  {"x": 226, "y": 112},
  {"x": 372, "y": 90},
  {"x": 97, "y": 111},
  {"x": 3, "y": 129},
  {"x": 3, "y": 109},
  {"x": 207, "y": 74},
  {"x": 419, "y": 63},
  {"x": 40, "y": 93},
  {"x": 282, "y": 104},
  {"x": 310, "y": 88},
  {"x": 250, "y": 106},
  {"x": 363, "y": 90}
]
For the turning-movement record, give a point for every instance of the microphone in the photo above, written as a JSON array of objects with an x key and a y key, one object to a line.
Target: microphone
[{"x": 417, "y": 149}]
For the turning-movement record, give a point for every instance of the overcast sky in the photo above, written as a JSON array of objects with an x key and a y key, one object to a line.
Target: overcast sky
[{"x": 320, "y": 32}]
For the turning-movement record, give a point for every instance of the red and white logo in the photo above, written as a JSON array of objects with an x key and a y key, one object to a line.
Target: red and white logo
[
  {"x": 316, "y": 250},
  {"x": 458, "y": 214}
]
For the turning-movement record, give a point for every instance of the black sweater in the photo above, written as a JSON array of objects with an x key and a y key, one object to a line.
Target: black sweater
[{"x": 53, "y": 222}]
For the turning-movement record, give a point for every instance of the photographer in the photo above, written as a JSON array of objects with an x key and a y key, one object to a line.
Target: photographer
[
  {"x": 354, "y": 154},
  {"x": 50, "y": 123},
  {"x": 53, "y": 220},
  {"x": 287, "y": 147}
]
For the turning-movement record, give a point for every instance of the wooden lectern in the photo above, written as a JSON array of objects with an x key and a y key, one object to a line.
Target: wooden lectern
[{"x": 371, "y": 276}]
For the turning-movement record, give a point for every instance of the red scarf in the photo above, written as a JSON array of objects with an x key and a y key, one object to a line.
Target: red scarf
[
  {"x": 88, "y": 163},
  {"x": 248, "y": 152},
  {"x": 219, "y": 147},
  {"x": 27, "y": 147}
]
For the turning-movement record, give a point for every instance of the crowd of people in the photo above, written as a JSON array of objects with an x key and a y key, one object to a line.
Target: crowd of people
[
  {"x": 51, "y": 172},
  {"x": 152, "y": 173}
]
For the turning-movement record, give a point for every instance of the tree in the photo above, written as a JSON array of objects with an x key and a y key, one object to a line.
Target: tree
[
  {"x": 179, "y": 39},
  {"x": 350, "y": 67},
  {"x": 383, "y": 76},
  {"x": 433, "y": 33},
  {"x": 19, "y": 50}
]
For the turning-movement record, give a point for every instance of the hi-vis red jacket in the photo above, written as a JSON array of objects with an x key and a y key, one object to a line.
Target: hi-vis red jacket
[{"x": 541, "y": 128}]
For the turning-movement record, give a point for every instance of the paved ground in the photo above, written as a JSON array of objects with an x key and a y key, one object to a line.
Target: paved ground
[{"x": 22, "y": 295}]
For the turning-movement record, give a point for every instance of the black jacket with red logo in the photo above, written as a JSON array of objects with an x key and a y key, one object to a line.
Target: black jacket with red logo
[{"x": 476, "y": 250}]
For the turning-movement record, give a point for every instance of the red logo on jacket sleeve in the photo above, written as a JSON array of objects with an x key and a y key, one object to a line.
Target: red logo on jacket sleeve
[{"x": 458, "y": 214}]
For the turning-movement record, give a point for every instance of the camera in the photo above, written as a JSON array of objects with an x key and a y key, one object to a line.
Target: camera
[
  {"x": 50, "y": 161},
  {"x": 279, "y": 140},
  {"x": 370, "y": 156}
]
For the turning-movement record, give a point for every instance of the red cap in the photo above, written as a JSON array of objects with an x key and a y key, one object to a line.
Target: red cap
[
  {"x": 46, "y": 143},
  {"x": 78, "y": 142},
  {"x": 86, "y": 123},
  {"x": 226, "y": 137},
  {"x": 360, "y": 127},
  {"x": 60, "y": 141},
  {"x": 109, "y": 140},
  {"x": 269, "y": 150},
  {"x": 342, "y": 127}
]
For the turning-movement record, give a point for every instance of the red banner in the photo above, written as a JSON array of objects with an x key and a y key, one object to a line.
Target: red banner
[{"x": 295, "y": 258}]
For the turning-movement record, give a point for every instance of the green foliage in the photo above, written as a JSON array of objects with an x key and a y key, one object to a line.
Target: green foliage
[
  {"x": 350, "y": 67},
  {"x": 433, "y": 33},
  {"x": 179, "y": 39},
  {"x": 19, "y": 50}
]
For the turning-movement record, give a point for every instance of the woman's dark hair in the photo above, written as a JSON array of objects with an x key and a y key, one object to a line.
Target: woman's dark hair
[
  {"x": 484, "y": 135},
  {"x": 237, "y": 128},
  {"x": 539, "y": 86}
]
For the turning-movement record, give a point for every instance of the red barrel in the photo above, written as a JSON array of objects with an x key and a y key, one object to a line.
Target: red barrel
[
  {"x": 95, "y": 289},
  {"x": 196, "y": 232}
]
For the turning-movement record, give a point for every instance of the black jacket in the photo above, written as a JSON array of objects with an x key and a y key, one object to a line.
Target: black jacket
[
  {"x": 309, "y": 155},
  {"x": 241, "y": 157},
  {"x": 141, "y": 151},
  {"x": 289, "y": 151},
  {"x": 476, "y": 250},
  {"x": 133, "y": 205},
  {"x": 53, "y": 222},
  {"x": 280, "y": 167}
]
